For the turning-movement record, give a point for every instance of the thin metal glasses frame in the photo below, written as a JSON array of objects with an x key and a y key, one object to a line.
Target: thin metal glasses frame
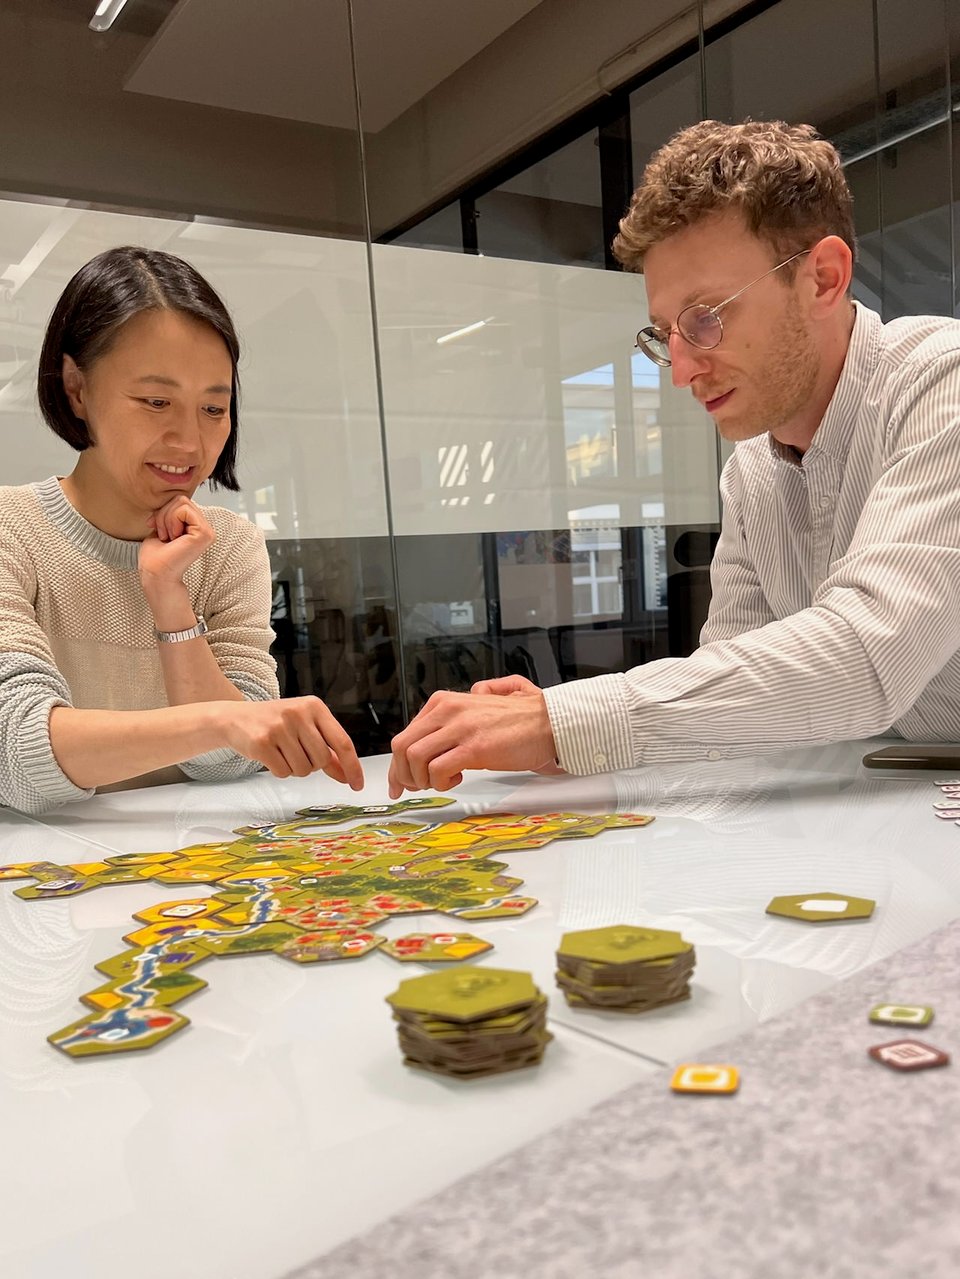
[{"x": 704, "y": 341}]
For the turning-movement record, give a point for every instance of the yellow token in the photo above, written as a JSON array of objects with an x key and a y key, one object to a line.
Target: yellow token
[{"x": 705, "y": 1079}]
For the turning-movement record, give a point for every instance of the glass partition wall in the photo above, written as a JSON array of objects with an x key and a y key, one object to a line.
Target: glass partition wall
[
  {"x": 224, "y": 132},
  {"x": 461, "y": 465}
]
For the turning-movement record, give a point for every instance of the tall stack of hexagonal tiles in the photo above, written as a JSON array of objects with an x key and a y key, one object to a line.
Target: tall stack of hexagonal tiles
[
  {"x": 624, "y": 969},
  {"x": 466, "y": 1024}
]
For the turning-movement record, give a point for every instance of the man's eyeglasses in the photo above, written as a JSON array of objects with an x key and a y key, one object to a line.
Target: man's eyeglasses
[{"x": 699, "y": 324}]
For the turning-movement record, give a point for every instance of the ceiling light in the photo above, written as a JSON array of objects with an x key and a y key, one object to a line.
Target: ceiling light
[
  {"x": 106, "y": 15},
  {"x": 460, "y": 333}
]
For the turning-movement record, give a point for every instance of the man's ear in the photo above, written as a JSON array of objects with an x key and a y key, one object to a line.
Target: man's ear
[
  {"x": 74, "y": 387},
  {"x": 832, "y": 266}
]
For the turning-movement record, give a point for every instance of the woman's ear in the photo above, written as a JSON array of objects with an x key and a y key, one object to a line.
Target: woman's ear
[{"x": 73, "y": 386}]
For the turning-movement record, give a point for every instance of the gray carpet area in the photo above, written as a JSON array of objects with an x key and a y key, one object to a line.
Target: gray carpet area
[{"x": 824, "y": 1164}]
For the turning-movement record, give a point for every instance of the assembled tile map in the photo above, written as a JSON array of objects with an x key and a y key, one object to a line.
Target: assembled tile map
[{"x": 302, "y": 892}]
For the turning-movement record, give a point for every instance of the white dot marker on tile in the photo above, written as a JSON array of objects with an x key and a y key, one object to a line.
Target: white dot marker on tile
[{"x": 825, "y": 904}]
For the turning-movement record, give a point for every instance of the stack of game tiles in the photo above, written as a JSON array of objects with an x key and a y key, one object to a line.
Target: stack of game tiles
[
  {"x": 473, "y": 1022},
  {"x": 624, "y": 969},
  {"x": 948, "y": 808}
]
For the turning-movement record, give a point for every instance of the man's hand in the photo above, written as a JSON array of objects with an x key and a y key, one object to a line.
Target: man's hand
[
  {"x": 181, "y": 533},
  {"x": 294, "y": 736},
  {"x": 504, "y": 686},
  {"x": 500, "y": 724}
]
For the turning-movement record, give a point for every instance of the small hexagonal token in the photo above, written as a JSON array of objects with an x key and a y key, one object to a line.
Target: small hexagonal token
[
  {"x": 816, "y": 908},
  {"x": 622, "y": 944},
  {"x": 902, "y": 1014},
  {"x": 465, "y": 995},
  {"x": 432, "y": 948},
  {"x": 909, "y": 1054},
  {"x": 705, "y": 1079},
  {"x": 68, "y": 886},
  {"x": 192, "y": 911}
]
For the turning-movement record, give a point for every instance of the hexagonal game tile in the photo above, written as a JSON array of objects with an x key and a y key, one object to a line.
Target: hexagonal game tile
[
  {"x": 822, "y": 908},
  {"x": 252, "y": 940},
  {"x": 433, "y": 948},
  {"x": 117, "y": 1030},
  {"x": 495, "y": 908},
  {"x": 622, "y": 944},
  {"x": 328, "y": 944},
  {"x": 465, "y": 995}
]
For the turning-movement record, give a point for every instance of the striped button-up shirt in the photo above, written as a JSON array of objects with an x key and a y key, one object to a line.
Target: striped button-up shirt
[{"x": 836, "y": 582}]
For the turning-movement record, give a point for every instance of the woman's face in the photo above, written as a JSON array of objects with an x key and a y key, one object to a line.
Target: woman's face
[{"x": 157, "y": 407}]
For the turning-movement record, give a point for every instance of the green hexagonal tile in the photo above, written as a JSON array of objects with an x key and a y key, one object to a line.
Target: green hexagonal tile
[
  {"x": 622, "y": 944},
  {"x": 465, "y": 995},
  {"x": 822, "y": 908}
]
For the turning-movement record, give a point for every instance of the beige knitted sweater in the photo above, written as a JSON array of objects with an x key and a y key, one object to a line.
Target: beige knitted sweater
[{"x": 76, "y": 630}]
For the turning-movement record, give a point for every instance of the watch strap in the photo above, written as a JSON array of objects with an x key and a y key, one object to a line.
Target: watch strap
[{"x": 180, "y": 637}]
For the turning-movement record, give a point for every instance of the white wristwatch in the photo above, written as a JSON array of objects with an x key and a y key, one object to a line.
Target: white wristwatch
[{"x": 180, "y": 637}]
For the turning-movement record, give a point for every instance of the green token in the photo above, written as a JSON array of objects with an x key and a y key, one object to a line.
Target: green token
[
  {"x": 465, "y": 995},
  {"x": 622, "y": 944}
]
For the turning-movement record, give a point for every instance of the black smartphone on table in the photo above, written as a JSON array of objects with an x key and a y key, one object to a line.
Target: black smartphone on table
[{"x": 939, "y": 755}]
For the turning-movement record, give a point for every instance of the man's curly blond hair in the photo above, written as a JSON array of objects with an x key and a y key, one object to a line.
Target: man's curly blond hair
[{"x": 784, "y": 179}]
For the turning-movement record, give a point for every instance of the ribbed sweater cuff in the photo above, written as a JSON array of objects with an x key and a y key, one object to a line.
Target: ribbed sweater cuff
[{"x": 50, "y": 785}]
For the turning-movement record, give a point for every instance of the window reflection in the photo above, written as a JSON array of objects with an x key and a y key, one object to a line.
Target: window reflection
[{"x": 589, "y": 424}]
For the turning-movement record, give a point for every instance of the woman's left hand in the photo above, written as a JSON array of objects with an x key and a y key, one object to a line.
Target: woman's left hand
[{"x": 181, "y": 533}]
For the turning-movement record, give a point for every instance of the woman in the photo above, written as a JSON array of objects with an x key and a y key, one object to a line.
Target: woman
[{"x": 134, "y": 624}]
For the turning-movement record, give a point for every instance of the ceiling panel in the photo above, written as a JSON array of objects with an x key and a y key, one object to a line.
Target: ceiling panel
[{"x": 291, "y": 58}]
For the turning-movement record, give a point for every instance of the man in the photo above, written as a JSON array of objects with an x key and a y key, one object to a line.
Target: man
[{"x": 836, "y": 581}]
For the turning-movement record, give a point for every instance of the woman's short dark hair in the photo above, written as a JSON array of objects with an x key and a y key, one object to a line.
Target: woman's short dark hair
[{"x": 109, "y": 290}]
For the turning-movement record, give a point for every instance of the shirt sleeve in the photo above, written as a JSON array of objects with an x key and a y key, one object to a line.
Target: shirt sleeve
[
  {"x": 31, "y": 780},
  {"x": 236, "y": 606},
  {"x": 881, "y": 625}
]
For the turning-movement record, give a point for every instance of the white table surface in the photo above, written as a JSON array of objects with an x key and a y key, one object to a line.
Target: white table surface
[{"x": 282, "y": 1122}]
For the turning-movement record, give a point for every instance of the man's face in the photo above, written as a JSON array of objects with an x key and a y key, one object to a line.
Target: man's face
[{"x": 765, "y": 369}]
